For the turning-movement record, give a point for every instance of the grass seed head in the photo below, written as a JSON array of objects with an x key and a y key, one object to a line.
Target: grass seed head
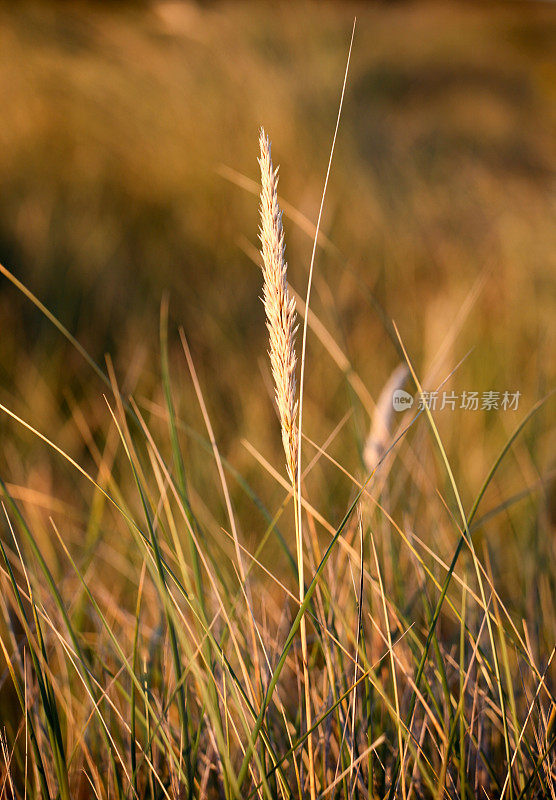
[{"x": 279, "y": 305}]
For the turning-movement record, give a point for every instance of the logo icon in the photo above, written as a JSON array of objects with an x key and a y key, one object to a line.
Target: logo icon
[{"x": 401, "y": 400}]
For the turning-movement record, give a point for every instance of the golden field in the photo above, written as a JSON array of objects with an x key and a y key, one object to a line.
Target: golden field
[{"x": 149, "y": 613}]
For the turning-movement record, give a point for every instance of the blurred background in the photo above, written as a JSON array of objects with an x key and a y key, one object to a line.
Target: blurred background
[{"x": 128, "y": 150}]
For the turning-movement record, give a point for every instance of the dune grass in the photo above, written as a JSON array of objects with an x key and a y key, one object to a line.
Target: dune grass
[
  {"x": 161, "y": 663},
  {"x": 179, "y": 615}
]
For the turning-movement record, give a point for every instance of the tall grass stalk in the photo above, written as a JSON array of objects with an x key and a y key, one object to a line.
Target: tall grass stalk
[{"x": 281, "y": 324}]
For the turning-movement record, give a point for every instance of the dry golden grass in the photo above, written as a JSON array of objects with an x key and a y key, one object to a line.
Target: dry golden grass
[
  {"x": 170, "y": 616},
  {"x": 279, "y": 306}
]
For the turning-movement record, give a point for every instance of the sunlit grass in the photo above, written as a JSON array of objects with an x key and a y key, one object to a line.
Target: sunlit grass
[
  {"x": 143, "y": 678},
  {"x": 152, "y": 626}
]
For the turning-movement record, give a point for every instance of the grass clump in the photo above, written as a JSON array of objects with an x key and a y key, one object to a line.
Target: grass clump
[{"x": 162, "y": 638}]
